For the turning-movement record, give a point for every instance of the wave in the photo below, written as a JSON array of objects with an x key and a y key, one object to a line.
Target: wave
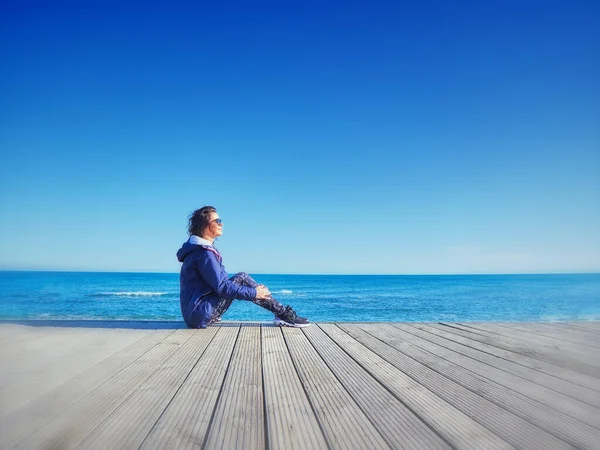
[
  {"x": 131, "y": 294},
  {"x": 284, "y": 291}
]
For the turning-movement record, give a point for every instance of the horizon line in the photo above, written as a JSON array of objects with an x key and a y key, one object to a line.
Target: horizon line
[{"x": 310, "y": 274}]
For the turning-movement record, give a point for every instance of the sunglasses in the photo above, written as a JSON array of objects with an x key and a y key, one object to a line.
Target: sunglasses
[{"x": 218, "y": 221}]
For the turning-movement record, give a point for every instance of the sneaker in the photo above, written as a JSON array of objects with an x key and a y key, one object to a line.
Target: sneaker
[
  {"x": 213, "y": 321},
  {"x": 290, "y": 319}
]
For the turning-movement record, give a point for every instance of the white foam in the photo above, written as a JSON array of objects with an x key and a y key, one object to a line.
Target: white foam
[{"x": 134, "y": 293}]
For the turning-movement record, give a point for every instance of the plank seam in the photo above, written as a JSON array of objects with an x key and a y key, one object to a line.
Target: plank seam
[
  {"x": 570, "y": 376},
  {"x": 539, "y": 356},
  {"x": 491, "y": 381},
  {"x": 214, "y": 412},
  {"x": 580, "y": 326},
  {"x": 449, "y": 379},
  {"x": 99, "y": 386},
  {"x": 471, "y": 330},
  {"x": 549, "y": 337},
  {"x": 177, "y": 391},
  {"x": 412, "y": 411},
  {"x": 574, "y": 332},
  {"x": 132, "y": 393},
  {"x": 552, "y": 432},
  {"x": 375, "y": 427},
  {"x": 504, "y": 350},
  {"x": 264, "y": 394},
  {"x": 489, "y": 364},
  {"x": 82, "y": 372},
  {"x": 310, "y": 402}
]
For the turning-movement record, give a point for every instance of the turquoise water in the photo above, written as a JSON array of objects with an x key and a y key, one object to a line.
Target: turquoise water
[{"x": 85, "y": 295}]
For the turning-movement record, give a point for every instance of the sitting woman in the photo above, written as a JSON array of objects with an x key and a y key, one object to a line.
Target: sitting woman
[{"x": 206, "y": 289}]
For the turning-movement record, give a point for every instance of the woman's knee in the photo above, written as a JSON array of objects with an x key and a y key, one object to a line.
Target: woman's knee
[
  {"x": 240, "y": 276},
  {"x": 244, "y": 279}
]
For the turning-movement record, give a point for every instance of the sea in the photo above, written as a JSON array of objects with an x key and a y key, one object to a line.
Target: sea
[{"x": 321, "y": 298}]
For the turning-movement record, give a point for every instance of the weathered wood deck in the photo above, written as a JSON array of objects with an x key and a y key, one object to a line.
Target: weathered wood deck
[{"x": 114, "y": 385}]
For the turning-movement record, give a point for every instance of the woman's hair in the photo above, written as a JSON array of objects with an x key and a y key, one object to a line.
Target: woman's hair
[{"x": 200, "y": 219}]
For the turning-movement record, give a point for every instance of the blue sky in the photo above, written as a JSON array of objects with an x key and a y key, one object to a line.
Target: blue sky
[{"x": 374, "y": 137}]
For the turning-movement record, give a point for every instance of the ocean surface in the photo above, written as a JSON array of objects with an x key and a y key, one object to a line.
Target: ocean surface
[{"x": 348, "y": 298}]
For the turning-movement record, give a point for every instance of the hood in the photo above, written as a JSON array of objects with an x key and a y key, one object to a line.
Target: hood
[
  {"x": 191, "y": 245},
  {"x": 185, "y": 250}
]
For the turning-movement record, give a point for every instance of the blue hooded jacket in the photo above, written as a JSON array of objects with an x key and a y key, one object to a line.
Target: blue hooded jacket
[{"x": 203, "y": 282}]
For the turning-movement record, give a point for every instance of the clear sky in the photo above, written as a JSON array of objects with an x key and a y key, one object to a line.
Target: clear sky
[{"x": 351, "y": 137}]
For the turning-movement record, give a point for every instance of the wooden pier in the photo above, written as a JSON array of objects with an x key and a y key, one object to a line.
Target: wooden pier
[{"x": 130, "y": 385}]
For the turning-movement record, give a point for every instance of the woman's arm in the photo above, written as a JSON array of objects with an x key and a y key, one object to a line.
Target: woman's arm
[{"x": 215, "y": 275}]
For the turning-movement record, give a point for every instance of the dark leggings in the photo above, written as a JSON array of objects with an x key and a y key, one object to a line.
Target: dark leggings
[{"x": 246, "y": 280}]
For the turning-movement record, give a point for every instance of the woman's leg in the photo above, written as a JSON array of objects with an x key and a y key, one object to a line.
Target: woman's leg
[
  {"x": 246, "y": 280},
  {"x": 284, "y": 315},
  {"x": 222, "y": 306},
  {"x": 268, "y": 303}
]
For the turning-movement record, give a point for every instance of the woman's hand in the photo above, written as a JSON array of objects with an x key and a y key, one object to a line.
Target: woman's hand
[{"x": 262, "y": 292}]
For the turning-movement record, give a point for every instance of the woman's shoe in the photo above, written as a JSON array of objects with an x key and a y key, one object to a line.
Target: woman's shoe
[{"x": 290, "y": 319}]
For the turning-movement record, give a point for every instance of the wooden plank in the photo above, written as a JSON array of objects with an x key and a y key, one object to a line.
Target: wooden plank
[
  {"x": 525, "y": 411},
  {"x": 21, "y": 423},
  {"x": 70, "y": 427},
  {"x": 343, "y": 422},
  {"x": 51, "y": 344},
  {"x": 573, "y": 327},
  {"x": 575, "y": 409},
  {"x": 416, "y": 363},
  {"x": 24, "y": 382},
  {"x": 34, "y": 338},
  {"x": 19, "y": 339},
  {"x": 164, "y": 401},
  {"x": 533, "y": 349},
  {"x": 555, "y": 336},
  {"x": 160, "y": 325},
  {"x": 481, "y": 352},
  {"x": 238, "y": 421},
  {"x": 481, "y": 341},
  {"x": 565, "y": 333},
  {"x": 291, "y": 423},
  {"x": 574, "y": 353},
  {"x": 130, "y": 423},
  {"x": 185, "y": 421},
  {"x": 586, "y": 325},
  {"x": 458, "y": 429},
  {"x": 579, "y": 333},
  {"x": 398, "y": 425}
]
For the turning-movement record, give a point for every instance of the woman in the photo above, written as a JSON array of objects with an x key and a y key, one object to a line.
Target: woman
[{"x": 206, "y": 289}]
